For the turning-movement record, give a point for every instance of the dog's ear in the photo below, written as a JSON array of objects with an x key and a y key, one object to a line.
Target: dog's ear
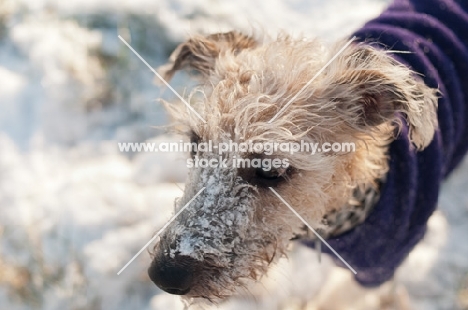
[
  {"x": 370, "y": 87},
  {"x": 200, "y": 53}
]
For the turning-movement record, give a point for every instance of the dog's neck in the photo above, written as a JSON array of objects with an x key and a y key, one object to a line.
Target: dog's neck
[{"x": 353, "y": 213}]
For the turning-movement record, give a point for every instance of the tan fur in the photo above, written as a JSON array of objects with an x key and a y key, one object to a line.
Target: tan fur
[{"x": 358, "y": 98}]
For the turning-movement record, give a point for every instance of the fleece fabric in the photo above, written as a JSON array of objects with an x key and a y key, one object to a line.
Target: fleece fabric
[{"x": 435, "y": 33}]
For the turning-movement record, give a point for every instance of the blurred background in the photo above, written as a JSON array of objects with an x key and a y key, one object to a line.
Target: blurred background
[{"x": 74, "y": 210}]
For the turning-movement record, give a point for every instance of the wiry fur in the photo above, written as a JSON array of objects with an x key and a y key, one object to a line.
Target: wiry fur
[{"x": 237, "y": 227}]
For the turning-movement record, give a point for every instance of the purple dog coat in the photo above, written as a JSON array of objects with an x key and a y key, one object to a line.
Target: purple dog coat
[{"x": 435, "y": 32}]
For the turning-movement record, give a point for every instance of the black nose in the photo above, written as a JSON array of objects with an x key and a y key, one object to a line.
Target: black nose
[{"x": 173, "y": 275}]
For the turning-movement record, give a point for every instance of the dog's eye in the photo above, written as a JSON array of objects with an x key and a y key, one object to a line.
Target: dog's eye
[
  {"x": 271, "y": 174},
  {"x": 265, "y": 177},
  {"x": 271, "y": 177}
]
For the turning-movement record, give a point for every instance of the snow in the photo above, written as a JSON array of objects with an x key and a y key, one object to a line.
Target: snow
[{"x": 74, "y": 210}]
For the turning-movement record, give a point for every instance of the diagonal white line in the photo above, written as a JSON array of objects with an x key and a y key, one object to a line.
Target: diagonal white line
[
  {"x": 313, "y": 230},
  {"x": 164, "y": 81},
  {"x": 311, "y": 80},
  {"x": 160, "y": 231}
]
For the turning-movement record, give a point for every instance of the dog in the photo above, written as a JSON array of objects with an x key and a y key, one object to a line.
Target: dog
[{"x": 397, "y": 92}]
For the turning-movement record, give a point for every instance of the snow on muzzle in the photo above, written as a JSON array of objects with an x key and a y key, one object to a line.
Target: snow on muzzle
[{"x": 203, "y": 244}]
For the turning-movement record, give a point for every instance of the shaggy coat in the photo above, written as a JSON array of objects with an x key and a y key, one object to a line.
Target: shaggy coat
[{"x": 384, "y": 102}]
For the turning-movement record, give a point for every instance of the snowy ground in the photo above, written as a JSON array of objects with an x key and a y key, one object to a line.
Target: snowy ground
[{"x": 74, "y": 210}]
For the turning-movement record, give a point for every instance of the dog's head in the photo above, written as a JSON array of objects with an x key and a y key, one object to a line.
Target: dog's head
[{"x": 271, "y": 92}]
